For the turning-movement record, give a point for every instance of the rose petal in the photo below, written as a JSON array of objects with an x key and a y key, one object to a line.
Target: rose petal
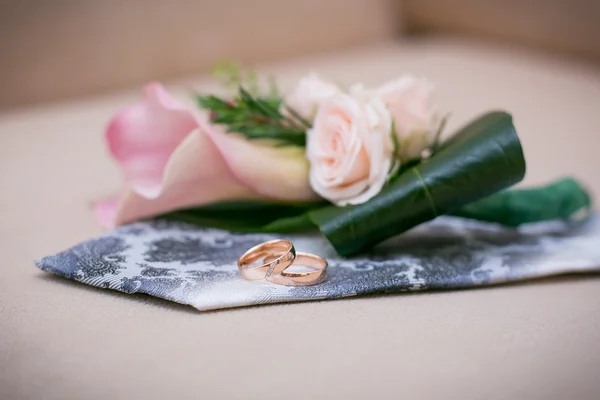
[
  {"x": 143, "y": 136},
  {"x": 310, "y": 92}
]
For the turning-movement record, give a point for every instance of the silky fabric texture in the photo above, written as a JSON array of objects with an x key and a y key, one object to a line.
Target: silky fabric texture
[{"x": 198, "y": 267}]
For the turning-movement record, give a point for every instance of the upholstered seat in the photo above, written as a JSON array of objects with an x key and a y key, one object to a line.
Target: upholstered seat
[{"x": 64, "y": 340}]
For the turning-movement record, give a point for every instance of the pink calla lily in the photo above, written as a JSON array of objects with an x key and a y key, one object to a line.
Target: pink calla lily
[{"x": 172, "y": 158}]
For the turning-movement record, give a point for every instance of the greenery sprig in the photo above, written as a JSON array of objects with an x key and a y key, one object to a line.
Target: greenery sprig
[{"x": 252, "y": 113}]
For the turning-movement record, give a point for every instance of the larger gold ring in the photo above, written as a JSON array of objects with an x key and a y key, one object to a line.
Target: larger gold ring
[
  {"x": 275, "y": 255},
  {"x": 319, "y": 264}
]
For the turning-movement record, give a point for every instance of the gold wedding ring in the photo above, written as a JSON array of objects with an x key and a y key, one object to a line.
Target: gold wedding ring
[
  {"x": 319, "y": 264},
  {"x": 274, "y": 257},
  {"x": 280, "y": 253}
]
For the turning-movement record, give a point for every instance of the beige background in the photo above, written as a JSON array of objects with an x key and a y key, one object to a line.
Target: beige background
[
  {"x": 64, "y": 48},
  {"x": 62, "y": 340},
  {"x": 569, "y": 28},
  {"x": 60, "y": 49}
]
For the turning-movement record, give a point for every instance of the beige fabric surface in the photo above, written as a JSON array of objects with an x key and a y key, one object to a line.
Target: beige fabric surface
[
  {"x": 63, "y": 340},
  {"x": 567, "y": 27}
]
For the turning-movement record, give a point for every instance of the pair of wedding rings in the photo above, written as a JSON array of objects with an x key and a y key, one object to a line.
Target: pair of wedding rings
[{"x": 269, "y": 260}]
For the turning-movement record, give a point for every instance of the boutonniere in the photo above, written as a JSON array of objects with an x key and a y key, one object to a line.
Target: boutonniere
[{"x": 359, "y": 164}]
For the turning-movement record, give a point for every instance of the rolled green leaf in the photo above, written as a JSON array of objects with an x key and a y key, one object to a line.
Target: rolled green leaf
[
  {"x": 249, "y": 216},
  {"x": 564, "y": 199},
  {"x": 481, "y": 159}
]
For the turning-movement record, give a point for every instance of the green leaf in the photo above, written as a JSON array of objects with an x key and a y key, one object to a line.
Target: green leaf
[
  {"x": 480, "y": 159},
  {"x": 212, "y": 102},
  {"x": 250, "y": 216},
  {"x": 298, "y": 223},
  {"x": 305, "y": 123},
  {"x": 258, "y": 107},
  {"x": 564, "y": 199}
]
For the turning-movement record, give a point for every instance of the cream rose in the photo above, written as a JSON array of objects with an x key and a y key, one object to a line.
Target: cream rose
[
  {"x": 416, "y": 117},
  {"x": 308, "y": 95},
  {"x": 350, "y": 148}
]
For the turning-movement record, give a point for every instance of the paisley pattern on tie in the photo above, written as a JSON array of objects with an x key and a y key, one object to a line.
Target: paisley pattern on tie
[{"x": 197, "y": 266}]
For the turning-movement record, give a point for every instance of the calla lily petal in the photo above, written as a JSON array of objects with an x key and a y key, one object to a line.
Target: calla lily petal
[
  {"x": 174, "y": 159},
  {"x": 143, "y": 136},
  {"x": 195, "y": 175},
  {"x": 279, "y": 173},
  {"x": 106, "y": 211}
]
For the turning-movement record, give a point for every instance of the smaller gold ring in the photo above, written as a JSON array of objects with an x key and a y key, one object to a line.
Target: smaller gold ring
[
  {"x": 281, "y": 277},
  {"x": 275, "y": 254}
]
